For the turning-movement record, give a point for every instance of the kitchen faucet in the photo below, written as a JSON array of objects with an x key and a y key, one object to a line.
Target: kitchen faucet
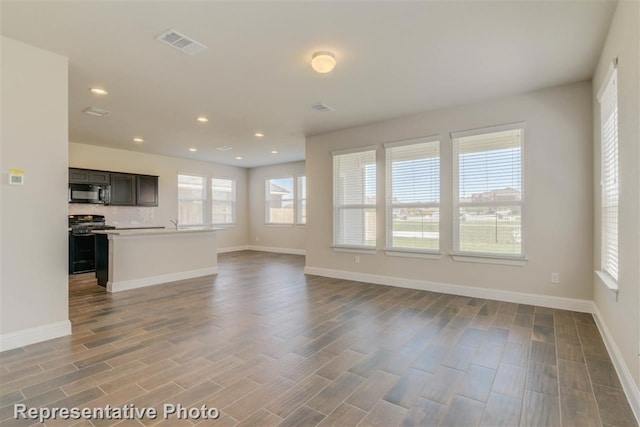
[{"x": 174, "y": 222}]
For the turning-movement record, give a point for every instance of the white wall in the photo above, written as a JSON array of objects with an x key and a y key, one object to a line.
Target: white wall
[
  {"x": 620, "y": 317},
  {"x": 281, "y": 238},
  {"x": 558, "y": 222},
  {"x": 33, "y": 278},
  {"x": 167, "y": 168}
]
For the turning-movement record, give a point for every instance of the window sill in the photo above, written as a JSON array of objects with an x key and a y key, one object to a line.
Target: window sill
[
  {"x": 275, "y": 224},
  {"x": 490, "y": 259},
  {"x": 224, "y": 225},
  {"x": 355, "y": 249},
  {"x": 412, "y": 254},
  {"x": 609, "y": 282}
]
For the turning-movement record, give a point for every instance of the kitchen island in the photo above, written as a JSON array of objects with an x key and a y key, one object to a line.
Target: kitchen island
[{"x": 129, "y": 259}]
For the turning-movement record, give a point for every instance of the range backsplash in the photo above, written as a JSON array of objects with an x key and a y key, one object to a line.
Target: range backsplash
[{"x": 119, "y": 216}]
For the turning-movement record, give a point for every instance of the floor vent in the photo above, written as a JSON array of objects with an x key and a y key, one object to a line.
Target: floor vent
[
  {"x": 181, "y": 42},
  {"x": 321, "y": 108}
]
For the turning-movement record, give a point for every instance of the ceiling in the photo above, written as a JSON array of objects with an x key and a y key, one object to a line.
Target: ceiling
[{"x": 394, "y": 58}]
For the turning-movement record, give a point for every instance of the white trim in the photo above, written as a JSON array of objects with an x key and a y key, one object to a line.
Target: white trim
[
  {"x": 563, "y": 303},
  {"x": 233, "y": 249},
  {"x": 412, "y": 254},
  {"x": 125, "y": 285},
  {"x": 355, "y": 150},
  {"x": 489, "y": 129},
  {"x": 605, "y": 82},
  {"x": 412, "y": 141},
  {"x": 487, "y": 259},
  {"x": 34, "y": 335},
  {"x": 608, "y": 281},
  {"x": 626, "y": 378},
  {"x": 355, "y": 249},
  {"x": 278, "y": 250}
]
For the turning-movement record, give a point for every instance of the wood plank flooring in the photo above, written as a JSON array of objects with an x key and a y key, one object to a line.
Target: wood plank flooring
[{"x": 267, "y": 345}]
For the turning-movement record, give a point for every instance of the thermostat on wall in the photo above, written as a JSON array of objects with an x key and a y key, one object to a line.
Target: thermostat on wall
[{"x": 16, "y": 177}]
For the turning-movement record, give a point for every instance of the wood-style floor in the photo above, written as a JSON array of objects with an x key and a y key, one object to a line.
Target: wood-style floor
[{"x": 267, "y": 345}]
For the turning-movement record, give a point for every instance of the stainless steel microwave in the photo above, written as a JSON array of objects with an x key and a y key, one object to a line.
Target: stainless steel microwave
[{"x": 89, "y": 193}]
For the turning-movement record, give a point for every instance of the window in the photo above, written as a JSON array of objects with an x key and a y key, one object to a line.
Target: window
[
  {"x": 354, "y": 199},
  {"x": 302, "y": 200},
  {"x": 608, "y": 98},
  {"x": 413, "y": 195},
  {"x": 223, "y": 201},
  {"x": 488, "y": 191},
  {"x": 191, "y": 200},
  {"x": 279, "y": 203}
]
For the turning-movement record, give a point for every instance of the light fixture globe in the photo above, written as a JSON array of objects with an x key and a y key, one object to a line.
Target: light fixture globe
[{"x": 323, "y": 61}]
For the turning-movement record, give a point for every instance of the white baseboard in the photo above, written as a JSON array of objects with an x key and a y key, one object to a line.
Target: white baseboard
[
  {"x": 277, "y": 250},
  {"x": 233, "y": 249},
  {"x": 33, "y": 335},
  {"x": 628, "y": 384},
  {"x": 124, "y": 285},
  {"x": 584, "y": 306}
]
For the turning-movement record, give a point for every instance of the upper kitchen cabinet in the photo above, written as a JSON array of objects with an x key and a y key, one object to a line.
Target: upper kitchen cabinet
[
  {"x": 146, "y": 190},
  {"x": 123, "y": 189},
  {"x": 87, "y": 176}
]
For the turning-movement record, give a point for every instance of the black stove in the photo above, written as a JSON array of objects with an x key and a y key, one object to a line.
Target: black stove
[
  {"x": 82, "y": 252},
  {"x": 84, "y": 224}
]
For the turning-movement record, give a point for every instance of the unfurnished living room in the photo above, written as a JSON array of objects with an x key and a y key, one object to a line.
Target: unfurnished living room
[{"x": 320, "y": 213}]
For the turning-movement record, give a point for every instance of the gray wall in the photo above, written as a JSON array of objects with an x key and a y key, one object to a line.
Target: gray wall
[
  {"x": 283, "y": 238},
  {"x": 558, "y": 223},
  {"x": 167, "y": 168},
  {"x": 33, "y": 227},
  {"x": 621, "y": 315}
]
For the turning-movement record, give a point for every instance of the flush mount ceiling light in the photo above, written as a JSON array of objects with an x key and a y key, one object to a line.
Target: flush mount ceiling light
[
  {"x": 98, "y": 91},
  {"x": 259, "y": 134},
  {"x": 323, "y": 61},
  {"x": 193, "y": 149},
  {"x": 202, "y": 119},
  {"x": 238, "y": 158},
  {"x": 138, "y": 140},
  {"x": 274, "y": 152}
]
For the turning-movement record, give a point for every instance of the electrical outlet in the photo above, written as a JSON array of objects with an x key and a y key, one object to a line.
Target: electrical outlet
[
  {"x": 555, "y": 278},
  {"x": 357, "y": 259}
]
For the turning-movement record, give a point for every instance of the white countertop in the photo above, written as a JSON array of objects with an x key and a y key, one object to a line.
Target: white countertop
[{"x": 152, "y": 231}]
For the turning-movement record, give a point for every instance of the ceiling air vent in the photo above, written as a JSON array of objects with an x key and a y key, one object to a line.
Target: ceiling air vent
[
  {"x": 321, "y": 108},
  {"x": 223, "y": 148},
  {"x": 95, "y": 111},
  {"x": 181, "y": 42}
]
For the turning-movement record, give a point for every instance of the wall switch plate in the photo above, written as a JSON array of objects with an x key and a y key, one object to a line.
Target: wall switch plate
[
  {"x": 555, "y": 278},
  {"x": 357, "y": 259}
]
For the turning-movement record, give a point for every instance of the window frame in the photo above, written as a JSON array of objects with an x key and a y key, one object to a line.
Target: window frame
[
  {"x": 609, "y": 88},
  {"x": 233, "y": 201},
  {"x": 300, "y": 199},
  {"x": 205, "y": 199},
  {"x": 479, "y": 256},
  {"x": 336, "y": 244},
  {"x": 295, "y": 201},
  {"x": 390, "y": 249}
]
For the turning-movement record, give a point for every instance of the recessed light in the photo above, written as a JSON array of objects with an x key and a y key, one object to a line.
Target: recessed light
[
  {"x": 274, "y": 152},
  {"x": 138, "y": 140},
  {"x": 98, "y": 91},
  {"x": 259, "y": 134},
  {"x": 202, "y": 119},
  {"x": 238, "y": 158},
  {"x": 193, "y": 149}
]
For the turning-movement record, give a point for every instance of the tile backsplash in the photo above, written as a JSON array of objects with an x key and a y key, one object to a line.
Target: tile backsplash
[{"x": 119, "y": 216}]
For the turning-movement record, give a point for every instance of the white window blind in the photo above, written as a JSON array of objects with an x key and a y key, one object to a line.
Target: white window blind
[
  {"x": 302, "y": 200},
  {"x": 354, "y": 199},
  {"x": 488, "y": 191},
  {"x": 413, "y": 195},
  {"x": 279, "y": 203},
  {"x": 223, "y": 201},
  {"x": 609, "y": 175},
  {"x": 191, "y": 199}
]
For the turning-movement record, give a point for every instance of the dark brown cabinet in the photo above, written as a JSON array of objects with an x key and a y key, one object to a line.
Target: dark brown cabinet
[
  {"x": 123, "y": 189},
  {"x": 87, "y": 176},
  {"x": 146, "y": 190}
]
